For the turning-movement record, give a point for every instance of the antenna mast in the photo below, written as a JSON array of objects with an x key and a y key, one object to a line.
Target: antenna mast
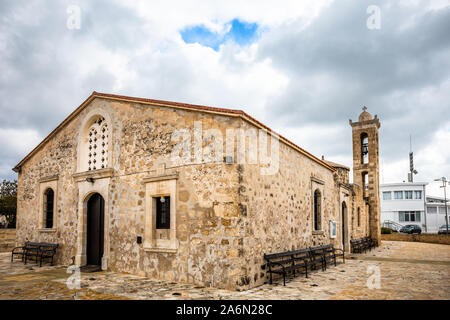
[{"x": 411, "y": 162}]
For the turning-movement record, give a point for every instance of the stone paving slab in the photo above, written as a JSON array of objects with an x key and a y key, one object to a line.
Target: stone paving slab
[{"x": 408, "y": 270}]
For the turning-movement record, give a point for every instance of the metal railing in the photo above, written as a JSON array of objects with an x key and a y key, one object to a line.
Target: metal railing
[{"x": 392, "y": 225}]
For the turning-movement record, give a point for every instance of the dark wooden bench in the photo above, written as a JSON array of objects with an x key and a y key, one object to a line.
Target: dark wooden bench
[
  {"x": 35, "y": 251},
  {"x": 330, "y": 254},
  {"x": 289, "y": 261},
  {"x": 362, "y": 245},
  {"x": 285, "y": 262},
  {"x": 357, "y": 245},
  {"x": 369, "y": 243},
  {"x": 316, "y": 257},
  {"x": 47, "y": 251},
  {"x": 20, "y": 251}
]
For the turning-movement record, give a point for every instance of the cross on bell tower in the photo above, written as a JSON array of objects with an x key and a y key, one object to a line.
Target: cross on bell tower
[{"x": 366, "y": 166}]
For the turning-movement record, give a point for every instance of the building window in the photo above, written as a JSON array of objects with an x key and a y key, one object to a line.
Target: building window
[
  {"x": 317, "y": 204},
  {"x": 398, "y": 195},
  {"x": 387, "y": 195},
  {"x": 432, "y": 209},
  {"x": 442, "y": 210},
  {"x": 417, "y": 195},
  {"x": 98, "y": 145},
  {"x": 163, "y": 213},
  {"x": 48, "y": 208},
  {"x": 359, "y": 217},
  {"x": 408, "y": 195},
  {"x": 160, "y": 231},
  {"x": 409, "y": 216}
]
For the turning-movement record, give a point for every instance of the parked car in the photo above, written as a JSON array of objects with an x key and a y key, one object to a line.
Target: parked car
[
  {"x": 443, "y": 229},
  {"x": 411, "y": 228}
]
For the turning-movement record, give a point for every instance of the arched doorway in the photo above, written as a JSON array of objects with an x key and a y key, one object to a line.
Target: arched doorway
[
  {"x": 344, "y": 229},
  {"x": 95, "y": 230}
]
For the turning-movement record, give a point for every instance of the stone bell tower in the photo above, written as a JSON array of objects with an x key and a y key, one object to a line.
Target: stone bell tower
[{"x": 366, "y": 167}]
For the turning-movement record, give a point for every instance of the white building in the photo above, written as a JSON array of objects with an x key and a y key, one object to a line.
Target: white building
[
  {"x": 403, "y": 203},
  {"x": 435, "y": 213},
  {"x": 407, "y": 203}
]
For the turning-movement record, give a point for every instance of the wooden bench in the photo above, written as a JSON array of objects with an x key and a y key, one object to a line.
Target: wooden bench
[
  {"x": 284, "y": 262},
  {"x": 357, "y": 245},
  {"x": 316, "y": 257},
  {"x": 369, "y": 243},
  {"x": 37, "y": 251},
  {"x": 20, "y": 251},
  {"x": 362, "y": 245},
  {"x": 330, "y": 254},
  {"x": 310, "y": 258}
]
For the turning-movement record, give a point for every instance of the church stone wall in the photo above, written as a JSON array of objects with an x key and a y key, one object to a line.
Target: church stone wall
[{"x": 279, "y": 209}]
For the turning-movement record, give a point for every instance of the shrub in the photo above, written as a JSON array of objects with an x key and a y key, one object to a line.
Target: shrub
[{"x": 385, "y": 230}]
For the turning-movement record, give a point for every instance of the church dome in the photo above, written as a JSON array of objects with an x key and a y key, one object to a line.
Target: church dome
[{"x": 365, "y": 116}]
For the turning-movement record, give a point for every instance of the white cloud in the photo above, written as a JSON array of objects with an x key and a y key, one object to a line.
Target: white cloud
[{"x": 309, "y": 72}]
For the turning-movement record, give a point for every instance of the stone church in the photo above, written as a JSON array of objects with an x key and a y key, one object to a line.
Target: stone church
[{"x": 105, "y": 187}]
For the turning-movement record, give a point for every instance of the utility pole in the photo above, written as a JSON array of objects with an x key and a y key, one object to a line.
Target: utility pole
[
  {"x": 412, "y": 171},
  {"x": 444, "y": 185}
]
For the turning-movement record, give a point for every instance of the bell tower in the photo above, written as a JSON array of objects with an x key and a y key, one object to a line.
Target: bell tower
[{"x": 366, "y": 167}]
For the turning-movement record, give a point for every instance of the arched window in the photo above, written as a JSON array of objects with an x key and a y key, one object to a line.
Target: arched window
[
  {"x": 364, "y": 148},
  {"x": 317, "y": 208},
  {"x": 98, "y": 144},
  {"x": 48, "y": 207},
  {"x": 358, "y": 218}
]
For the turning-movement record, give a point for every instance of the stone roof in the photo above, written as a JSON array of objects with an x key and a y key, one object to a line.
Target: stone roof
[
  {"x": 365, "y": 116},
  {"x": 336, "y": 165}
]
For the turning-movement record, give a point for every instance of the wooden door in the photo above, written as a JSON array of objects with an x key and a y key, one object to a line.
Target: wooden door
[{"x": 95, "y": 230}]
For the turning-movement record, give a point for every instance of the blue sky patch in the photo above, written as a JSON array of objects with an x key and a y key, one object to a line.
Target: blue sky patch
[{"x": 240, "y": 32}]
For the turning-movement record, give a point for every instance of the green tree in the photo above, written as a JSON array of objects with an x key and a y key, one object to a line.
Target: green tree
[
  {"x": 8, "y": 188},
  {"x": 8, "y": 202}
]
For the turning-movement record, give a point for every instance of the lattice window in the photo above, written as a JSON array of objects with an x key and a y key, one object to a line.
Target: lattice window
[{"x": 98, "y": 145}]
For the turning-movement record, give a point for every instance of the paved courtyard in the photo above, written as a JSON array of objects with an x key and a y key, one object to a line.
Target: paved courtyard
[{"x": 407, "y": 270}]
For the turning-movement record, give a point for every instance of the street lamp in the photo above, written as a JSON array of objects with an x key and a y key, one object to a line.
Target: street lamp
[{"x": 444, "y": 185}]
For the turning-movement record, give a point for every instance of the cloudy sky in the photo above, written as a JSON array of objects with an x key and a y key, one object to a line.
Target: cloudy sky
[{"x": 302, "y": 67}]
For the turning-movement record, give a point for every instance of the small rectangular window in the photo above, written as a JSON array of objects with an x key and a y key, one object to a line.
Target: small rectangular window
[
  {"x": 398, "y": 195},
  {"x": 401, "y": 217},
  {"x": 418, "y": 216},
  {"x": 417, "y": 195},
  {"x": 49, "y": 199},
  {"x": 432, "y": 209},
  {"x": 442, "y": 210},
  {"x": 387, "y": 195},
  {"x": 408, "y": 195},
  {"x": 162, "y": 212}
]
